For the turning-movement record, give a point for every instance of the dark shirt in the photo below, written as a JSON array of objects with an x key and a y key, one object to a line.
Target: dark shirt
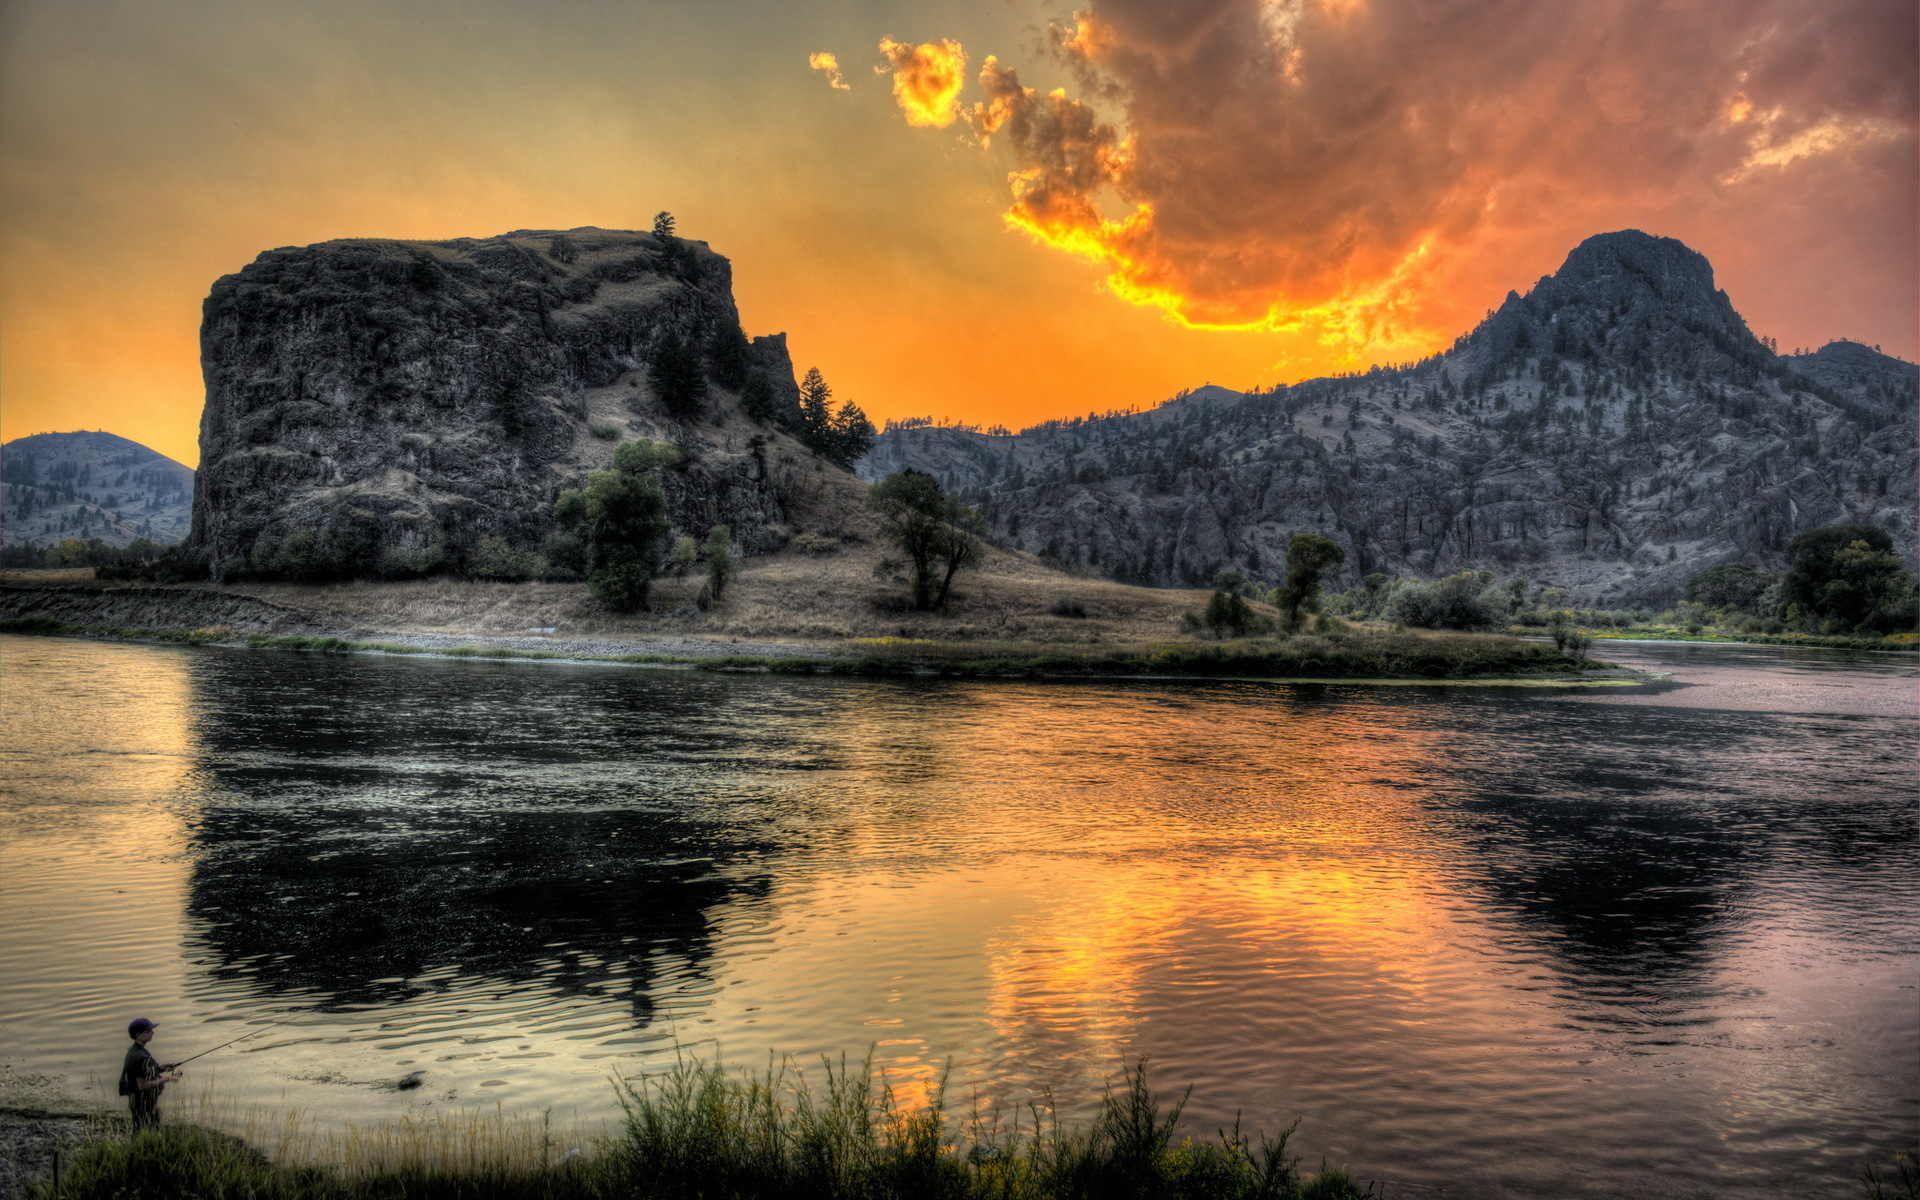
[{"x": 139, "y": 1065}]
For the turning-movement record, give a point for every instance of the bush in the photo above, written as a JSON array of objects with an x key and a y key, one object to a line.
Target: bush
[
  {"x": 621, "y": 519},
  {"x": 1456, "y": 602},
  {"x": 494, "y": 558},
  {"x": 606, "y": 433},
  {"x": 720, "y": 565}
]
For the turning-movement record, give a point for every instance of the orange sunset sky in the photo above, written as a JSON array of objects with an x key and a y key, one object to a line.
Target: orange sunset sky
[{"x": 999, "y": 212}]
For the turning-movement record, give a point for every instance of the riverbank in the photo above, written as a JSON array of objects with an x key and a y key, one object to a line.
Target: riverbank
[
  {"x": 702, "y": 1131},
  {"x": 1388, "y": 657},
  {"x": 1896, "y": 643}
]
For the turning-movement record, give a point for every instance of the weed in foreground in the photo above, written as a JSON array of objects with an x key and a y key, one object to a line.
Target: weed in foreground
[{"x": 701, "y": 1133}]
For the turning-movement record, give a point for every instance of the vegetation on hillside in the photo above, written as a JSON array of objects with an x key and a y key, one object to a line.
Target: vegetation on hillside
[
  {"x": 620, "y": 518},
  {"x": 938, "y": 535}
]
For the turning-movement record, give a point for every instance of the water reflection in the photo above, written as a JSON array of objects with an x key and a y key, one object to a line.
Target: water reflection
[
  {"x": 377, "y": 835},
  {"x": 1459, "y": 931}
]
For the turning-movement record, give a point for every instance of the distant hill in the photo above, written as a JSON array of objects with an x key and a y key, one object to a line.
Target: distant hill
[
  {"x": 55, "y": 486},
  {"x": 1614, "y": 431}
]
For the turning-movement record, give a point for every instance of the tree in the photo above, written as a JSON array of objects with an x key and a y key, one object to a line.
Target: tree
[
  {"x": 686, "y": 552},
  {"x": 1849, "y": 573},
  {"x": 729, "y": 356},
  {"x": 720, "y": 564},
  {"x": 1309, "y": 557},
  {"x": 850, "y": 436},
  {"x": 1227, "y": 614},
  {"x": 621, "y": 517},
  {"x": 663, "y": 225},
  {"x": 757, "y": 397},
  {"x": 1226, "y": 579},
  {"x": 676, "y": 375},
  {"x": 1461, "y": 601},
  {"x": 816, "y": 415},
  {"x": 1730, "y": 587},
  {"x": 938, "y": 534}
]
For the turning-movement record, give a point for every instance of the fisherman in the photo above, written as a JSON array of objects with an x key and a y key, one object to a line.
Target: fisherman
[{"x": 141, "y": 1078}]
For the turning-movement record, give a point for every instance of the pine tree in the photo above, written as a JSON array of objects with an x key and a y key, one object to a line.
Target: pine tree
[
  {"x": 677, "y": 376},
  {"x": 816, "y": 414}
]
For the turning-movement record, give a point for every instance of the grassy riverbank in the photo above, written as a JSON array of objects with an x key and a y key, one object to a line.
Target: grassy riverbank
[
  {"x": 1899, "y": 643},
  {"x": 702, "y": 1132},
  {"x": 1354, "y": 655}
]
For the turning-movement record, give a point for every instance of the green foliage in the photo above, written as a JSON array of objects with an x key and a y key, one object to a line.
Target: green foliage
[
  {"x": 1848, "y": 575},
  {"x": 308, "y": 556},
  {"x": 1227, "y": 579},
  {"x": 139, "y": 559},
  {"x": 1569, "y": 639},
  {"x": 729, "y": 356},
  {"x": 1309, "y": 557},
  {"x": 1228, "y": 614},
  {"x": 606, "y": 433},
  {"x": 677, "y": 376},
  {"x": 566, "y": 553},
  {"x": 757, "y": 397},
  {"x": 403, "y": 562},
  {"x": 1730, "y": 587},
  {"x": 938, "y": 534},
  {"x": 686, "y": 552},
  {"x": 495, "y": 558},
  {"x": 1459, "y": 601},
  {"x": 620, "y": 518},
  {"x": 720, "y": 565}
]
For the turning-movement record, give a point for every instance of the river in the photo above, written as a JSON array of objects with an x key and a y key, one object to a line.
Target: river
[{"x": 1654, "y": 941}]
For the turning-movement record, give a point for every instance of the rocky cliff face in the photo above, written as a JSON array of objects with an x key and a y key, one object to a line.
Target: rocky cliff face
[
  {"x": 406, "y": 399},
  {"x": 1612, "y": 432},
  {"x": 84, "y": 484}
]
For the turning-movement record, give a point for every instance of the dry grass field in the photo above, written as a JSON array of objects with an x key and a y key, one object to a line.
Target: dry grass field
[{"x": 827, "y": 595}]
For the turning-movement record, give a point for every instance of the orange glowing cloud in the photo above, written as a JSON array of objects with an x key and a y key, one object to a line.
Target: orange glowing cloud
[
  {"x": 830, "y": 66},
  {"x": 1337, "y": 170},
  {"x": 926, "y": 79}
]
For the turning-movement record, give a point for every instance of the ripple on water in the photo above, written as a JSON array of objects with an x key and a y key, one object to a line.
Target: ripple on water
[{"x": 1519, "y": 942}]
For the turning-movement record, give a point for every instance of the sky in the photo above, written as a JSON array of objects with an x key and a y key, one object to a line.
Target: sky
[{"x": 1001, "y": 212}]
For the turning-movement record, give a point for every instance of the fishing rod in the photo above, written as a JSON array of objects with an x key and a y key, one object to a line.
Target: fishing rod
[{"x": 223, "y": 1045}]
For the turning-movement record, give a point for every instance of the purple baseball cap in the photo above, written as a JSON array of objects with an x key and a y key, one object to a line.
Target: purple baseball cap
[{"x": 140, "y": 1025}]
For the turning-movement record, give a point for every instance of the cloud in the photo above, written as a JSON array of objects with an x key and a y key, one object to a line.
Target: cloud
[
  {"x": 926, "y": 79},
  {"x": 826, "y": 62},
  {"x": 1335, "y": 166}
]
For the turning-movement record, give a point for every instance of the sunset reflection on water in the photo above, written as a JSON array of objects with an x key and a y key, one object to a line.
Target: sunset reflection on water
[{"x": 1454, "y": 930}]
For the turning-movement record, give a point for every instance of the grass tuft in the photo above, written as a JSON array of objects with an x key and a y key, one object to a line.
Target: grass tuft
[{"x": 701, "y": 1133}]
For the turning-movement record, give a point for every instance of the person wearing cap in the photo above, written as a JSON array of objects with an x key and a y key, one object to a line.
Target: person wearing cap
[{"x": 141, "y": 1078}]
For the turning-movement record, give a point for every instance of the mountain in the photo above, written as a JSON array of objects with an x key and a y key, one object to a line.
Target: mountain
[
  {"x": 55, "y": 486},
  {"x": 1613, "y": 431},
  {"x": 401, "y": 401}
]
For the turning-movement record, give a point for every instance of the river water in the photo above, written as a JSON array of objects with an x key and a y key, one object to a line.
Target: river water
[{"x": 1656, "y": 941}]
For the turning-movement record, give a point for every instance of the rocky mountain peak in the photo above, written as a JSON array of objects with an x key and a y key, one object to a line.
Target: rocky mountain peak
[
  {"x": 1638, "y": 301},
  {"x": 1611, "y": 432}
]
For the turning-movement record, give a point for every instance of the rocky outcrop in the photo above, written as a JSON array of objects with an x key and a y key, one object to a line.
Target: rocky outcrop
[
  {"x": 88, "y": 484},
  {"x": 404, "y": 400},
  {"x": 1614, "y": 431}
]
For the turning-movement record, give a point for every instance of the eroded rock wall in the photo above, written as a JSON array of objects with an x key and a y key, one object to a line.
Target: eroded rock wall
[{"x": 412, "y": 398}]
